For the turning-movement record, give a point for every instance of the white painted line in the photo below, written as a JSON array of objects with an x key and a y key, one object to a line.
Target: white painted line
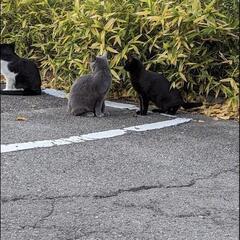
[
  {"x": 62, "y": 94},
  {"x": 158, "y": 125},
  {"x": 168, "y": 115},
  {"x": 102, "y": 135},
  {"x": 54, "y": 92},
  {"x": 91, "y": 136},
  {"x": 121, "y": 105}
]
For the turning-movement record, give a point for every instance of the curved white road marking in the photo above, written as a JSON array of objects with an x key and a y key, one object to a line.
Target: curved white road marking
[{"x": 91, "y": 136}]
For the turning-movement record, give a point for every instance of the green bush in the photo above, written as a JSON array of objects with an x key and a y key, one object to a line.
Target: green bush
[{"x": 194, "y": 43}]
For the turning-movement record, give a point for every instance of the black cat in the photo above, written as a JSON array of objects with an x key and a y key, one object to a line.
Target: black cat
[
  {"x": 22, "y": 75},
  {"x": 154, "y": 87}
]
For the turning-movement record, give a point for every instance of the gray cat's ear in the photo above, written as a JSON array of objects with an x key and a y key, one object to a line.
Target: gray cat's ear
[
  {"x": 105, "y": 55},
  {"x": 92, "y": 58},
  {"x": 92, "y": 65}
]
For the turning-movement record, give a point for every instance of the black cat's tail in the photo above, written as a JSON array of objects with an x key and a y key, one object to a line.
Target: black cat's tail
[
  {"x": 26, "y": 92},
  {"x": 188, "y": 105}
]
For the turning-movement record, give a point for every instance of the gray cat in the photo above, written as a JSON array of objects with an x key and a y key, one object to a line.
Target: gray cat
[{"x": 88, "y": 92}]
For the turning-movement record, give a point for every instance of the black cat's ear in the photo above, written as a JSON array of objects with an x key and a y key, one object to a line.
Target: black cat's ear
[
  {"x": 130, "y": 57},
  {"x": 12, "y": 45},
  {"x": 135, "y": 56}
]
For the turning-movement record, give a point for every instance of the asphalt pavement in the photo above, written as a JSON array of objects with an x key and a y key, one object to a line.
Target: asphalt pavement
[{"x": 175, "y": 183}]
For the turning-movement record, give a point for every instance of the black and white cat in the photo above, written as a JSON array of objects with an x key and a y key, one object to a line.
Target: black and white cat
[
  {"x": 88, "y": 92},
  {"x": 154, "y": 87},
  {"x": 22, "y": 75}
]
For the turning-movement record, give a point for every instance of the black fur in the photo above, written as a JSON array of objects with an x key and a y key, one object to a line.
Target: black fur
[
  {"x": 25, "y": 92},
  {"x": 154, "y": 87},
  {"x": 28, "y": 76}
]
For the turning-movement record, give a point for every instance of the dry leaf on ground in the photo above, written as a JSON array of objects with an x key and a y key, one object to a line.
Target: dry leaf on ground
[
  {"x": 21, "y": 118},
  {"x": 220, "y": 111}
]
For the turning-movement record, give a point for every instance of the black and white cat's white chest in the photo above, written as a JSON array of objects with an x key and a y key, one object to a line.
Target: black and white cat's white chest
[{"x": 9, "y": 75}]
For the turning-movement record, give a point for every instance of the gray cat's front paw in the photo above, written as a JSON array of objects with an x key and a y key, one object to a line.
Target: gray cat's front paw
[
  {"x": 106, "y": 114},
  {"x": 99, "y": 115}
]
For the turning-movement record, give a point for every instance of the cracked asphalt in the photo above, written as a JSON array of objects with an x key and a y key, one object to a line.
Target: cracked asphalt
[{"x": 176, "y": 183}]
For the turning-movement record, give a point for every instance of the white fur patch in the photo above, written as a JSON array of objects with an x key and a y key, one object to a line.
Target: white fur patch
[{"x": 8, "y": 75}]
